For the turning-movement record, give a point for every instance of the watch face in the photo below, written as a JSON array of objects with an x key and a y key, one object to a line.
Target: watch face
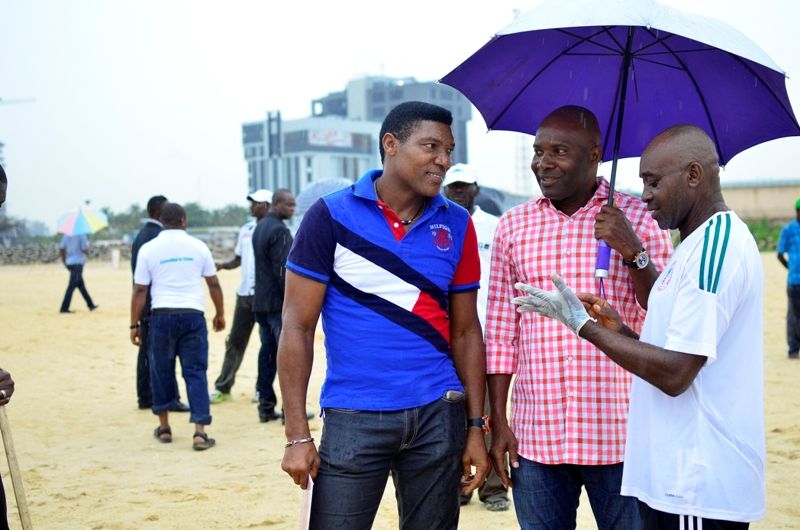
[{"x": 642, "y": 260}]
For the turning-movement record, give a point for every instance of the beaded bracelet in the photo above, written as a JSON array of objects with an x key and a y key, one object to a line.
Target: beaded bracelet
[{"x": 290, "y": 443}]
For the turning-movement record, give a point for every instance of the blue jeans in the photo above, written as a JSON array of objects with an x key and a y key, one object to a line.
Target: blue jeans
[
  {"x": 421, "y": 448},
  {"x": 792, "y": 315},
  {"x": 185, "y": 336},
  {"x": 270, "y": 331},
  {"x": 75, "y": 282},
  {"x": 546, "y": 497}
]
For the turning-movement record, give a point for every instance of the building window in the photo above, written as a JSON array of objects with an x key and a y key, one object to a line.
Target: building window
[{"x": 309, "y": 169}]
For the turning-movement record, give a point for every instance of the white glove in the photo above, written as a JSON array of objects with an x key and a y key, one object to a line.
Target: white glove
[{"x": 562, "y": 305}]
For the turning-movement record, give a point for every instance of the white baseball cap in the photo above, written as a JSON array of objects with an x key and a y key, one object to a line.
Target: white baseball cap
[
  {"x": 460, "y": 173},
  {"x": 261, "y": 196}
]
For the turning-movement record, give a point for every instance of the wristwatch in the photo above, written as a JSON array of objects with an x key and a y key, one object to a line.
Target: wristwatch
[
  {"x": 482, "y": 423},
  {"x": 640, "y": 260}
]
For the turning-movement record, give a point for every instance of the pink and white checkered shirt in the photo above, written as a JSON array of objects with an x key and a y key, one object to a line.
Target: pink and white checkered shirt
[{"x": 569, "y": 402}]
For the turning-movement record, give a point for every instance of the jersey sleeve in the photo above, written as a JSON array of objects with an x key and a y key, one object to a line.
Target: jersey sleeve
[
  {"x": 468, "y": 273},
  {"x": 141, "y": 274},
  {"x": 314, "y": 245},
  {"x": 209, "y": 269}
]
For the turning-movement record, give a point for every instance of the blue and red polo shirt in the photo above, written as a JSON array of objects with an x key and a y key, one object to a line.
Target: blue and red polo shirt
[{"x": 385, "y": 313}]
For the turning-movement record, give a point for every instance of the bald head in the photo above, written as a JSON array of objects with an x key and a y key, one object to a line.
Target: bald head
[
  {"x": 576, "y": 118},
  {"x": 687, "y": 144},
  {"x": 680, "y": 176}
]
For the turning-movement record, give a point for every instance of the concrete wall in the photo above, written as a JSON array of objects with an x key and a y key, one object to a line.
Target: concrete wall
[{"x": 774, "y": 202}]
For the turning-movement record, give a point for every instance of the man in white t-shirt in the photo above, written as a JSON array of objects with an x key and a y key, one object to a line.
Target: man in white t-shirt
[
  {"x": 695, "y": 448},
  {"x": 172, "y": 265},
  {"x": 461, "y": 186},
  {"x": 243, "y": 318}
]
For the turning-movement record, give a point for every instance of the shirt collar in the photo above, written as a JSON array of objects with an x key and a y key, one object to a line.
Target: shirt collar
[
  {"x": 154, "y": 221},
  {"x": 600, "y": 195},
  {"x": 365, "y": 188}
]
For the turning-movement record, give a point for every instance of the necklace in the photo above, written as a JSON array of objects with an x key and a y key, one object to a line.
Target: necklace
[{"x": 404, "y": 222}]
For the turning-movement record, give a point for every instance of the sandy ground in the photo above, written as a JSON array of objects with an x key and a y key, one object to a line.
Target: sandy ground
[{"x": 89, "y": 459}]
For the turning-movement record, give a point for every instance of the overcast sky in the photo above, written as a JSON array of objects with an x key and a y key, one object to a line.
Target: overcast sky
[{"x": 134, "y": 98}]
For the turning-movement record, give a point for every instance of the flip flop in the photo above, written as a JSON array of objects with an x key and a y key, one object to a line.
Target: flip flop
[
  {"x": 207, "y": 442},
  {"x": 160, "y": 432}
]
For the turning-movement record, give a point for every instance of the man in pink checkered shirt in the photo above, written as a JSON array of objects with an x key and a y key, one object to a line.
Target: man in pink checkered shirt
[{"x": 569, "y": 402}]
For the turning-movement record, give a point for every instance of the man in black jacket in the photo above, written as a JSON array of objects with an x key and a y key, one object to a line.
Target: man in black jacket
[
  {"x": 152, "y": 227},
  {"x": 271, "y": 243}
]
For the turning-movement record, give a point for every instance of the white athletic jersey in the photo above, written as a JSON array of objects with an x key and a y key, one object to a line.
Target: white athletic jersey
[
  {"x": 702, "y": 453},
  {"x": 173, "y": 265},
  {"x": 485, "y": 225},
  {"x": 244, "y": 249}
]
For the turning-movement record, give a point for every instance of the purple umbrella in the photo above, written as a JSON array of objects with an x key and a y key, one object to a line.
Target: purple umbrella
[{"x": 641, "y": 67}]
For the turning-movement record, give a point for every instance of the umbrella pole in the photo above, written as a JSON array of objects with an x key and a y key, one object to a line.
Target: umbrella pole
[{"x": 603, "y": 250}]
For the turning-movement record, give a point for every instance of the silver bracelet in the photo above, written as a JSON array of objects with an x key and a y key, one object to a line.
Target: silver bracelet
[{"x": 290, "y": 443}]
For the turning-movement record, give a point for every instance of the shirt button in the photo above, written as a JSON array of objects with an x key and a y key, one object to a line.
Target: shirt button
[
  {"x": 569, "y": 253},
  {"x": 396, "y": 225},
  {"x": 380, "y": 207}
]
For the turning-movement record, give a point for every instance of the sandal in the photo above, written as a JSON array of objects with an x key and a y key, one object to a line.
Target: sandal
[
  {"x": 163, "y": 435},
  {"x": 207, "y": 442},
  {"x": 497, "y": 505}
]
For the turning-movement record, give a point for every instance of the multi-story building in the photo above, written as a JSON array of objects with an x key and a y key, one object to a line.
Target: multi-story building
[
  {"x": 371, "y": 98},
  {"x": 293, "y": 153},
  {"x": 340, "y": 139}
]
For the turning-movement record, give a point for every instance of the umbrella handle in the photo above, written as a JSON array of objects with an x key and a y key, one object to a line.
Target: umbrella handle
[{"x": 603, "y": 259}]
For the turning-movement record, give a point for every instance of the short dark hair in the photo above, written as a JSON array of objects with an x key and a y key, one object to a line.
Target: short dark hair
[
  {"x": 3, "y": 179},
  {"x": 154, "y": 205},
  {"x": 281, "y": 195},
  {"x": 172, "y": 214},
  {"x": 404, "y": 118}
]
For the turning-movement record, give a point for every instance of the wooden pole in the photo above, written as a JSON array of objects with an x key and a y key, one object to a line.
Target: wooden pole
[{"x": 13, "y": 468}]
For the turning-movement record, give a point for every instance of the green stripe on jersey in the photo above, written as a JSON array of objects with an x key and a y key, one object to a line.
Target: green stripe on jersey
[{"x": 711, "y": 261}]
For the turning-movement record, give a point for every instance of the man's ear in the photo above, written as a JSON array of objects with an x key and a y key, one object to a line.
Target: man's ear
[
  {"x": 695, "y": 174},
  {"x": 596, "y": 155},
  {"x": 390, "y": 144}
]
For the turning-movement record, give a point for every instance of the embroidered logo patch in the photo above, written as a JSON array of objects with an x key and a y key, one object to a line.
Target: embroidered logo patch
[{"x": 442, "y": 237}]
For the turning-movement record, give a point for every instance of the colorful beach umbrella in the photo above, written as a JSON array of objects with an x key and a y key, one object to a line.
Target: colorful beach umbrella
[{"x": 82, "y": 221}]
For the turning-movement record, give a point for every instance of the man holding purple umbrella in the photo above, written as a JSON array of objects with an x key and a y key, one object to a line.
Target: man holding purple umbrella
[
  {"x": 695, "y": 450},
  {"x": 569, "y": 402}
]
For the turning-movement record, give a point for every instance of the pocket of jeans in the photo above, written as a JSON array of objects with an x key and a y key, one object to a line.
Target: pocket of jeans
[{"x": 453, "y": 396}]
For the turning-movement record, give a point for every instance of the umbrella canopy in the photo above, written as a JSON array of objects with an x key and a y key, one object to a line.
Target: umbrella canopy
[
  {"x": 82, "y": 221},
  {"x": 315, "y": 190},
  {"x": 641, "y": 67}
]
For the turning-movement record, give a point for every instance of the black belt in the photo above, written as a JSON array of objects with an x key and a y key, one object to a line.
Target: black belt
[{"x": 175, "y": 311}]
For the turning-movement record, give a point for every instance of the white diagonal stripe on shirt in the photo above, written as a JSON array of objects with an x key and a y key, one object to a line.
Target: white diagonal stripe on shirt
[{"x": 371, "y": 278}]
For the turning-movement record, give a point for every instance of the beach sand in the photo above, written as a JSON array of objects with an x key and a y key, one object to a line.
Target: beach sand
[{"x": 89, "y": 459}]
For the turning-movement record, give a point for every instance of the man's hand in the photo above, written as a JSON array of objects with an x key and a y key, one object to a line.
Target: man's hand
[
  {"x": 136, "y": 340},
  {"x": 219, "y": 322},
  {"x": 613, "y": 227},
  {"x": 300, "y": 461},
  {"x": 474, "y": 455},
  {"x": 6, "y": 387},
  {"x": 562, "y": 305},
  {"x": 601, "y": 311},
  {"x": 503, "y": 443}
]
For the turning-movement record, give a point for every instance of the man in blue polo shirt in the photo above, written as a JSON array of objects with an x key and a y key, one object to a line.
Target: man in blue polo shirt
[
  {"x": 789, "y": 256},
  {"x": 393, "y": 268}
]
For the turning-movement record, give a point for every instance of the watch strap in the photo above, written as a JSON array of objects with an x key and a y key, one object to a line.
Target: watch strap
[{"x": 482, "y": 422}]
